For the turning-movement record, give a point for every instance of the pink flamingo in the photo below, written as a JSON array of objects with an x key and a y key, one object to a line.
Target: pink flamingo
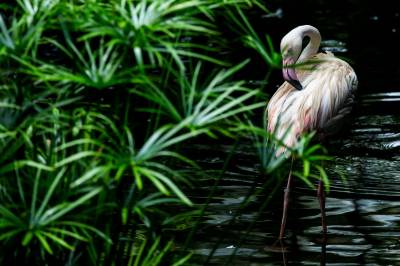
[{"x": 315, "y": 97}]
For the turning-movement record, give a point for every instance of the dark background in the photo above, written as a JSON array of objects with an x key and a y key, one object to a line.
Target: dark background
[{"x": 370, "y": 31}]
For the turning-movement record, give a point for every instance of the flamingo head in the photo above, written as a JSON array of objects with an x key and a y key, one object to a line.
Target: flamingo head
[{"x": 291, "y": 47}]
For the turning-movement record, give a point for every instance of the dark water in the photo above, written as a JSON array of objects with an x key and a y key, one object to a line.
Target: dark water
[{"x": 363, "y": 213}]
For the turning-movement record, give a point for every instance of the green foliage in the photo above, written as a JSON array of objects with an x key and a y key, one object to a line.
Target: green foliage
[
  {"x": 153, "y": 255},
  {"x": 312, "y": 157},
  {"x": 79, "y": 81}
]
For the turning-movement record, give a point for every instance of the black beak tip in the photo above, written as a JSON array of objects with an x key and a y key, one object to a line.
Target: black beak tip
[{"x": 296, "y": 84}]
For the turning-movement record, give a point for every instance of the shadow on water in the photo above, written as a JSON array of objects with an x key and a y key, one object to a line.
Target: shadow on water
[{"x": 363, "y": 213}]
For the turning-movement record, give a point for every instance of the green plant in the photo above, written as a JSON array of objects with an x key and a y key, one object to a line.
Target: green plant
[
  {"x": 79, "y": 161},
  {"x": 153, "y": 255}
]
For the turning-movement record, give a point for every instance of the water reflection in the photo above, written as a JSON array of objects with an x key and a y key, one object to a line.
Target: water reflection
[{"x": 333, "y": 46}]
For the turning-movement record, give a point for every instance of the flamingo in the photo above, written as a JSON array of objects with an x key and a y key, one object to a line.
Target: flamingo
[{"x": 315, "y": 98}]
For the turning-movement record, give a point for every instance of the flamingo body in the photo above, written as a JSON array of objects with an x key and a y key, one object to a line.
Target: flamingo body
[{"x": 328, "y": 87}]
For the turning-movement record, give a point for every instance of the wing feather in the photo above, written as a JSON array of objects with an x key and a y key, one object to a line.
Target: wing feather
[{"x": 322, "y": 105}]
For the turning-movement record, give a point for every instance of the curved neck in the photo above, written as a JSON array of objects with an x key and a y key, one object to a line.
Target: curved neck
[{"x": 312, "y": 47}]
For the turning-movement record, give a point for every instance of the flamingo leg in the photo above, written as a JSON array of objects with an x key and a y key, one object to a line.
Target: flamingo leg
[
  {"x": 321, "y": 198},
  {"x": 286, "y": 199}
]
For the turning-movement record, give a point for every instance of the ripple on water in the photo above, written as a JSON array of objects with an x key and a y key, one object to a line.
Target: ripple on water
[{"x": 363, "y": 211}]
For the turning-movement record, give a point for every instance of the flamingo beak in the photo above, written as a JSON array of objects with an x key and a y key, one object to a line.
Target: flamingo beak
[{"x": 289, "y": 74}]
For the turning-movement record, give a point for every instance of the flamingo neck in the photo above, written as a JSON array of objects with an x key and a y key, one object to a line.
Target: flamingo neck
[{"x": 312, "y": 47}]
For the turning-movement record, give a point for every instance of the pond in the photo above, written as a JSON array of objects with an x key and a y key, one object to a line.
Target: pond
[{"x": 363, "y": 208}]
